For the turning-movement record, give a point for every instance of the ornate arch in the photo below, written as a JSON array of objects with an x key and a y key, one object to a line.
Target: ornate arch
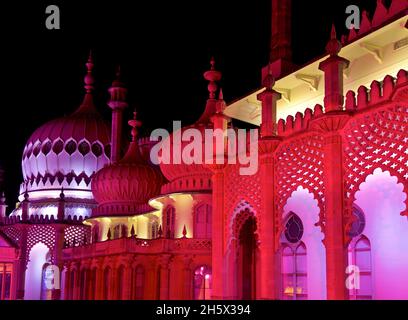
[
  {"x": 374, "y": 140},
  {"x": 243, "y": 211},
  {"x": 44, "y": 234},
  {"x": 300, "y": 164}
]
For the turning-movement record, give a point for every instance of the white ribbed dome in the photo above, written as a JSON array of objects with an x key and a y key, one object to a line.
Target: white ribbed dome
[{"x": 66, "y": 152}]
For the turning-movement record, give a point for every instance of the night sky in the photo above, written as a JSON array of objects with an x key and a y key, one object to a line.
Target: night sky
[{"x": 163, "y": 48}]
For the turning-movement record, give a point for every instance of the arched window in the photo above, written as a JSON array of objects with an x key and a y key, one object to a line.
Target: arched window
[
  {"x": 170, "y": 221},
  {"x": 202, "y": 283},
  {"x": 202, "y": 226},
  {"x": 294, "y": 261},
  {"x": 106, "y": 280},
  {"x": 139, "y": 283},
  {"x": 360, "y": 258}
]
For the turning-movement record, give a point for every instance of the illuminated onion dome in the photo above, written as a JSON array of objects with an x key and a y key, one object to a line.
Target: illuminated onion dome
[
  {"x": 185, "y": 176},
  {"x": 66, "y": 152},
  {"x": 125, "y": 187}
]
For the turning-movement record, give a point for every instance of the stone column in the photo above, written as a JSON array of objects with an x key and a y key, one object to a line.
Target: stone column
[
  {"x": 57, "y": 255},
  {"x": 268, "y": 279},
  {"x": 329, "y": 125}
]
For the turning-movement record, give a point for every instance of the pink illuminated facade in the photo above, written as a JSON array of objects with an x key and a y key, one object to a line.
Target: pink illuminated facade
[{"x": 323, "y": 217}]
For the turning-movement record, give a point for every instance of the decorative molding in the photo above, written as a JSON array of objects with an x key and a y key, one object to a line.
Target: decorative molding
[
  {"x": 312, "y": 81},
  {"x": 376, "y": 51}
]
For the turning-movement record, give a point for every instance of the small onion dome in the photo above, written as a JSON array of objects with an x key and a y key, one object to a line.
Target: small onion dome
[
  {"x": 196, "y": 176},
  {"x": 125, "y": 187},
  {"x": 67, "y": 151}
]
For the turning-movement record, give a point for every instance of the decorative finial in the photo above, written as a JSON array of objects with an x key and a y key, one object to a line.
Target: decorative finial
[
  {"x": 212, "y": 76},
  {"x": 62, "y": 195},
  {"x": 89, "y": 79},
  {"x": 134, "y": 123},
  {"x": 118, "y": 80},
  {"x": 160, "y": 232},
  {"x": 220, "y": 95},
  {"x": 333, "y": 34},
  {"x": 212, "y": 63},
  {"x": 333, "y": 47},
  {"x": 184, "y": 232},
  {"x": 269, "y": 81}
]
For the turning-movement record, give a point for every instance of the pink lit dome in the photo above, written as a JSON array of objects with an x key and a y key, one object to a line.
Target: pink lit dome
[
  {"x": 185, "y": 176},
  {"x": 66, "y": 152},
  {"x": 125, "y": 187}
]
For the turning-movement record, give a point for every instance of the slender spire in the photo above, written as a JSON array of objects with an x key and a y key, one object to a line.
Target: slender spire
[
  {"x": 117, "y": 103},
  {"x": 133, "y": 153},
  {"x": 333, "y": 47},
  {"x": 281, "y": 30},
  {"x": 213, "y": 76},
  {"x": 88, "y": 103},
  {"x": 89, "y": 79},
  {"x": 134, "y": 123}
]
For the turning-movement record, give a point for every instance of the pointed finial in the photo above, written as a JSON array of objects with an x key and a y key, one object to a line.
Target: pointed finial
[
  {"x": 212, "y": 63},
  {"x": 118, "y": 80},
  {"x": 109, "y": 234},
  {"x": 220, "y": 95},
  {"x": 184, "y": 232},
  {"x": 132, "y": 231},
  {"x": 333, "y": 47},
  {"x": 269, "y": 81},
  {"x": 134, "y": 123},
  {"x": 333, "y": 34},
  {"x": 160, "y": 232},
  {"x": 62, "y": 195},
  {"x": 89, "y": 79},
  {"x": 212, "y": 76}
]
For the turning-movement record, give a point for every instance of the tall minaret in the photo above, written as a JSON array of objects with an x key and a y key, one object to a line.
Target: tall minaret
[
  {"x": 117, "y": 103},
  {"x": 280, "y": 57}
]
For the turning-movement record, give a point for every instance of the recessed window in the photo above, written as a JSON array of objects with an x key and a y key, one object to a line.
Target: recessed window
[
  {"x": 37, "y": 149},
  {"x": 358, "y": 225},
  {"x": 97, "y": 149},
  {"x": 70, "y": 147},
  {"x": 84, "y": 148},
  {"x": 58, "y": 147},
  {"x": 46, "y": 148},
  {"x": 294, "y": 229}
]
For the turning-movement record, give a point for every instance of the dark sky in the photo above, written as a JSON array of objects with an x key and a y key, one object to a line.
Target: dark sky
[{"x": 162, "y": 46}]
